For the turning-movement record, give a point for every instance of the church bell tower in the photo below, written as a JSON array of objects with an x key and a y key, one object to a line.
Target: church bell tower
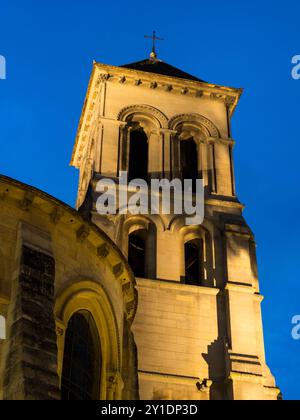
[{"x": 198, "y": 328}]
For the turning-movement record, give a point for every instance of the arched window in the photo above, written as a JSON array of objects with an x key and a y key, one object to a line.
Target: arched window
[
  {"x": 137, "y": 252},
  {"x": 81, "y": 373},
  {"x": 138, "y": 155},
  {"x": 193, "y": 256},
  {"x": 189, "y": 160}
]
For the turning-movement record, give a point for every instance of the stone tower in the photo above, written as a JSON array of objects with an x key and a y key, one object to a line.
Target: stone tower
[{"x": 198, "y": 327}]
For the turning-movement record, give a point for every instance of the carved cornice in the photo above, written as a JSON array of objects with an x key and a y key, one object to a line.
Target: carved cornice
[
  {"x": 27, "y": 201},
  {"x": 56, "y": 215},
  {"x": 118, "y": 269},
  {"x": 82, "y": 233},
  {"x": 229, "y": 96},
  {"x": 103, "y": 250},
  {"x": 197, "y": 88}
]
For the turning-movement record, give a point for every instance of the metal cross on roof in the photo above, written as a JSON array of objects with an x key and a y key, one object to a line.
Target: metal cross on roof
[{"x": 154, "y": 39}]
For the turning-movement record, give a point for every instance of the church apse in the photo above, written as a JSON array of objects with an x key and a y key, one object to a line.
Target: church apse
[{"x": 67, "y": 302}]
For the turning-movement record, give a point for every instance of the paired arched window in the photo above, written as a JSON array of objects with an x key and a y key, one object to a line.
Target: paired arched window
[
  {"x": 81, "y": 373},
  {"x": 138, "y": 155},
  {"x": 193, "y": 259}
]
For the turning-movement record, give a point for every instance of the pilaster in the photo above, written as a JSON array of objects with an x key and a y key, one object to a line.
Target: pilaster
[{"x": 31, "y": 364}]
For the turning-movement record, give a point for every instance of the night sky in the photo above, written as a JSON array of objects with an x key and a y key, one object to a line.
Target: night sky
[{"x": 49, "y": 47}]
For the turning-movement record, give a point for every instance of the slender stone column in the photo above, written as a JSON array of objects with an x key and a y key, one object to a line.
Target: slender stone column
[
  {"x": 123, "y": 147},
  {"x": 167, "y": 154},
  {"x": 31, "y": 363},
  {"x": 129, "y": 365},
  {"x": 155, "y": 159},
  {"x": 115, "y": 386},
  {"x": 212, "y": 168},
  {"x": 203, "y": 162},
  {"x": 175, "y": 157},
  {"x": 223, "y": 168}
]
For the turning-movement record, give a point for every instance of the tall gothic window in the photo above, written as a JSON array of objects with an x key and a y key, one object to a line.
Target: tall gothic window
[
  {"x": 82, "y": 359},
  {"x": 193, "y": 255},
  {"x": 138, "y": 155},
  {"x": 137, "y": 252},
  {"x": 189, "y": 160}
]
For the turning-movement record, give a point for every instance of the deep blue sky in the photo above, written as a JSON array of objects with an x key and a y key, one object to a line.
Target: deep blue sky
[{"x": 49, "y": 47}]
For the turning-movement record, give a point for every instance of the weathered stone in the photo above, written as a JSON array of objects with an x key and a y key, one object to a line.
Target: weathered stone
[{"x": 31, "y": 365}]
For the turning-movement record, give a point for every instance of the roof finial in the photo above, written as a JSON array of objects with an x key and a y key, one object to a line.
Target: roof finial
[{"x": 154, "y": 38}]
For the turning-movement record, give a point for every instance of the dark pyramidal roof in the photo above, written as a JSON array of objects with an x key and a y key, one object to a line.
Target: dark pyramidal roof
[{"x": 153, "y": 65}]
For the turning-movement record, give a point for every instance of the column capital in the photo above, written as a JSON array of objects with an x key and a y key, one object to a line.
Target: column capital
[
  {"x": 167, "y": 131},
  {"x": 223, "y": 140},
  {"x": 105, "y": 120},
  {"x": 114, "y": 385}
]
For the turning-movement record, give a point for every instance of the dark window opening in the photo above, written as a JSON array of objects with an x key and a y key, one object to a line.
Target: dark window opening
[
  {"x": 193, "y": 254},
  {"x": 189, "y": 160},
  {"x": 137, "y": 253},
  {"x": 82, "y": 359},
  {"x": 138, "y": 155}
]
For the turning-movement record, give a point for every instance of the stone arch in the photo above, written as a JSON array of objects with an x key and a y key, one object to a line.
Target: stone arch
[
  {"x": 191, "y": 234},
  {"x": 188, "y": 233},
  {"x": 143, "y": 221},
  {"x": 141, "y": 119},
  {"x": 177, "y": 223},
  {"x": 194, "y": 131},
  {"x": 147, "y": 111},
  {"x": 198, "y": 122},
  {"x": 140, "y": 226},
  {"x": 81, "y": 376},
  {"x": 90, "y": 296},
  {"x": 136, "y": 222}
]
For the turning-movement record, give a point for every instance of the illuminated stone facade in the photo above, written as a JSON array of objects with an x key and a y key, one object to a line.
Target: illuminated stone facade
[
  {"x": 155, "y": 309},
  {"x": 54, "y": 264},
  {"x": 197, "y": 338}
]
